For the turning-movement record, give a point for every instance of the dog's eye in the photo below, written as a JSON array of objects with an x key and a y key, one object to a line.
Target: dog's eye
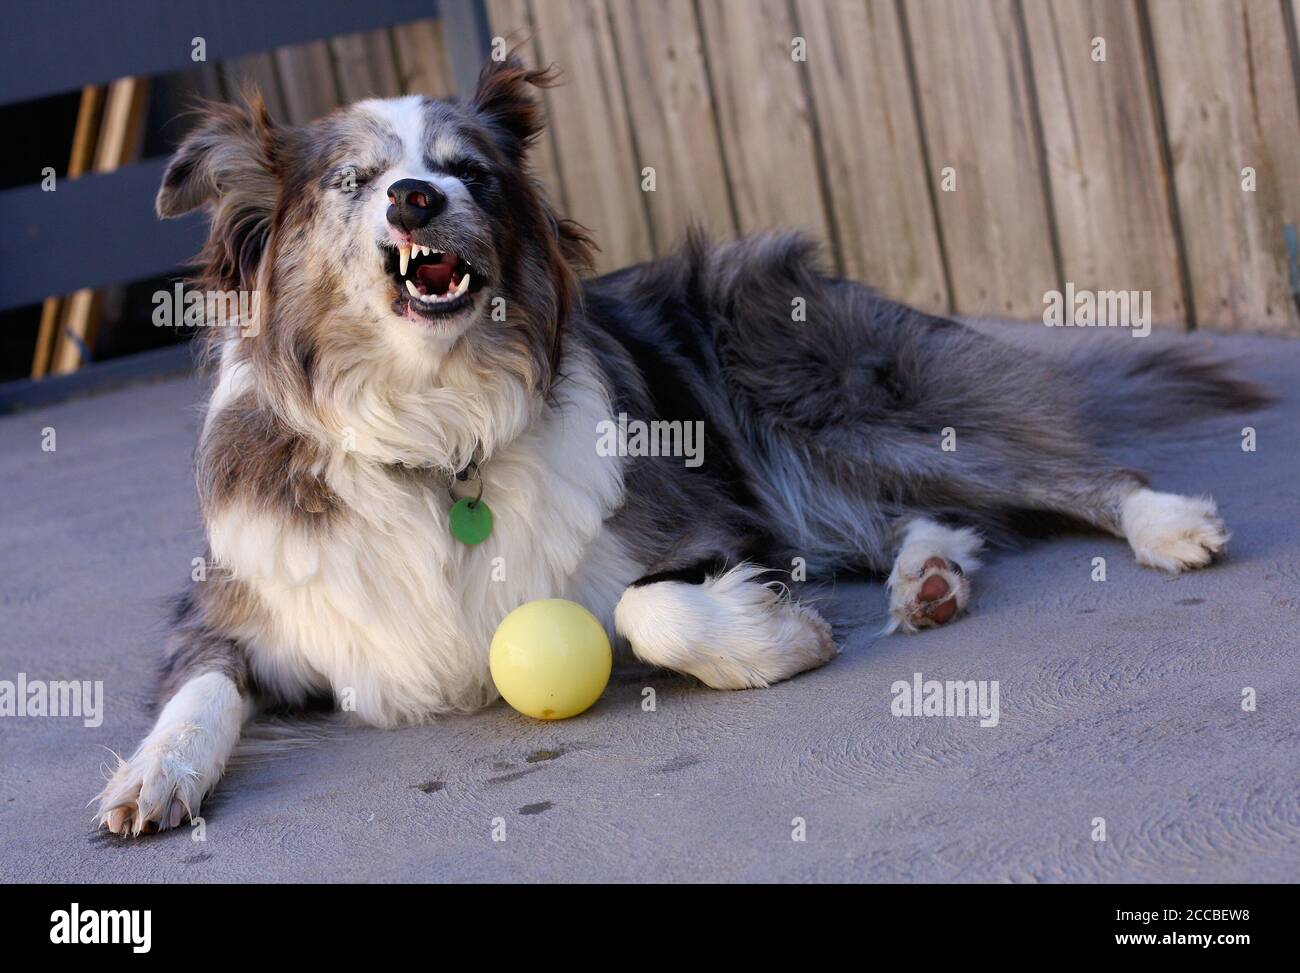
[
  {"x": 468, "y": 171},
  {"x": 349, "y": 179}
]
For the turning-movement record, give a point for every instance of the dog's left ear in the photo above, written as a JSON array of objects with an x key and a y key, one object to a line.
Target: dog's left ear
[{"x": 505, "y": 101}]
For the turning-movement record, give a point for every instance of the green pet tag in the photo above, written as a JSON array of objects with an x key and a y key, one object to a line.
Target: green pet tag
[{"x": 471, "y": 521}]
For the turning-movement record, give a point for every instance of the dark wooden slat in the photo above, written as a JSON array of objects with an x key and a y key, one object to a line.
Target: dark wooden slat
[
  {"x": 147, "y": 366},
  {"x": 84, "y": 138},
  {"x": 366, "y": 65},
  {"x": 150, "y": 37},
  {"x": 257, "y": 70},
  {"x": 423, "y": 66},
  {"x": 91, "y": 232},
  {"x": 309, "y": 88},
  {"x": 118, "y": 145},
  {"x": 469, "y": 40}
]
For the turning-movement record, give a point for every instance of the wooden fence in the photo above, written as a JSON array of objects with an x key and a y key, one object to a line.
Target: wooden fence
[{"x": 964, "y": 155}]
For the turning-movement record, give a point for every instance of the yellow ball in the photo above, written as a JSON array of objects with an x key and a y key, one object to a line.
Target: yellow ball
[{"x": 550, "y": 659}]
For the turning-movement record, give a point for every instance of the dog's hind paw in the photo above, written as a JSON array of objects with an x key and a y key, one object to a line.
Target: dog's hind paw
[
  {"x": 729, "y": 631},
  {"x": 1172, "y": 532},
  {"x": 930, "y": 582},
  {"x": 934, "y": 596}
]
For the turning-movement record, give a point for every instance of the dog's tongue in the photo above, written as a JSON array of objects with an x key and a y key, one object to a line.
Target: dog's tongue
[{"x": 434, "y": 278}]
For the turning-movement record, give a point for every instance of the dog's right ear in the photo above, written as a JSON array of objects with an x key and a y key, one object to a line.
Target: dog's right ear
[{"x": 229, "y": 153}]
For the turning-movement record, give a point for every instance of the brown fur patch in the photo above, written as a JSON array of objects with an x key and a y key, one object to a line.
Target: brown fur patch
[
  {"x": 197, "y": 643},
  {"x": 250, "y": 456}
]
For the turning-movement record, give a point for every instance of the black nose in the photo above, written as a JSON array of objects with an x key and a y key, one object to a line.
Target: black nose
[{"x": 414, "y": 203}]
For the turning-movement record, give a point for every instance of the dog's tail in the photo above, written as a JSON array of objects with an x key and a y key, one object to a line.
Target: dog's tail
[{"x": 1131, "y": 394}]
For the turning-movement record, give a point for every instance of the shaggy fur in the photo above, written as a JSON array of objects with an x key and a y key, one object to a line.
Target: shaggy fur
[{"x": 342, "y": 415}]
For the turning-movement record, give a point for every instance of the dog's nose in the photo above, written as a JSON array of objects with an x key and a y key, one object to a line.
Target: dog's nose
[{"x": 414, "y": 203}]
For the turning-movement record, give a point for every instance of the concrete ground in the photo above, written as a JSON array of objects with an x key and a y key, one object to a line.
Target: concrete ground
[{"x": 1119, "y": 700}]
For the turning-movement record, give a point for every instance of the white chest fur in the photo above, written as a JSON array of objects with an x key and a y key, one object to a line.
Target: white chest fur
[{"x": 393, "y": 615}]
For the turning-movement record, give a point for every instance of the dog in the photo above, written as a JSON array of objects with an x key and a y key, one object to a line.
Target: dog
[{"x": 424, "y": 342}]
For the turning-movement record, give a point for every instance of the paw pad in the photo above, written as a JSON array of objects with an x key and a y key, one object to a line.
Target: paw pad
[{"x": 934, "y": 597}]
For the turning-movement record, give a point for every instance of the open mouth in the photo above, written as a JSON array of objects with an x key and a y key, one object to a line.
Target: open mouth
[{"x": 431, "y": 283}]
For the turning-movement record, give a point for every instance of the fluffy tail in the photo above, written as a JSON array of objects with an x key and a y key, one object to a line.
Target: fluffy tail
[{"x": 1131, "y": 394}]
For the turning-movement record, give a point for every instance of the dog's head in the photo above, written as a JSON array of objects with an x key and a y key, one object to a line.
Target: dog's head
[{"x": 404, "y": 230}]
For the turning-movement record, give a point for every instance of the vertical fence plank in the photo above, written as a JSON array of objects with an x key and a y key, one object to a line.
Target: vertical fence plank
[
  {"x": 468, "y": 32},
  {"x": 1229, "y": 97},
  {"x": 872, "y": 145},
  {"x": 308, "y": 76},
  {"x": 84, "y": 137},
  {"x": 978, "y": 119},
  {"x": 422, "y": 64},
  {"x": 511, "y": 21},
  {"x": 202, "y": 81},
  {"x": 766, "y": 122},
  {"x": 117, "y": 144},
  {"x": 592, "y": 132},
  {"x": 1107, "y": 174},
  {"x": 365, "y": 66},
  {"x": 672, "y": 116},
  {"x": 257, "y": 71}
]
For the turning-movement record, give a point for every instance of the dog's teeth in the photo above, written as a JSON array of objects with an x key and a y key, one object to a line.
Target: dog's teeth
[
  {"x": 411, "y": 287},
  {"x": 462, "y": 287},
  {"x": 403, "y": 259}
]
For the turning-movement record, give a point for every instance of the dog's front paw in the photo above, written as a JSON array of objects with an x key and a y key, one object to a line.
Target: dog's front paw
[
  {"x": 160, "y": 787},
  {"x": 934, "y": 594},
  {"x": 1171, "y": 532}
]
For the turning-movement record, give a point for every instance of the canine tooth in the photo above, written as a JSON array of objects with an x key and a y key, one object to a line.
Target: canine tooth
[
  {"x": 463, "y": 286},
  {"x": 411, "y": 287},
  {"x": 403, "y": 259}
]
